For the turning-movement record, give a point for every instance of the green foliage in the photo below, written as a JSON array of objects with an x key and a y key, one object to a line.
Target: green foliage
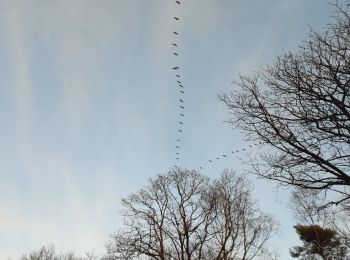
[{"x": 318, "y": 241}]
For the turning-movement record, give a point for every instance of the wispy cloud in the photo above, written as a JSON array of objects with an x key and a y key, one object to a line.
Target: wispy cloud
[
  {"x": 95, "y": 100},
  {"x": 22, "y": 88}
]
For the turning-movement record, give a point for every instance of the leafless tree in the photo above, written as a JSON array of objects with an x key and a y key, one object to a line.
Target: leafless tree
[
  {"x": 240, "y": 229},
  {"x": 299, "y": 109},
  {"x": 183, "y": 215},
  {"x": 49, "y": 253}
]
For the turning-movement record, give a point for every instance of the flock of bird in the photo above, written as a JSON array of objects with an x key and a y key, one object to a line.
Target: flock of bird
[
  {"x": 230, "y": 154},
  {"x": 181, "y": 99},
  {"x": 181, "y": 106}
]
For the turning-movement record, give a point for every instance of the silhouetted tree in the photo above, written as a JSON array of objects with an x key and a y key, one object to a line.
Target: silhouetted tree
[
  {"x": 49, "y": 253},
  {"x": 300, "y": 106},
  {"x": 318, "y": 241},
  {"x": 308, "y": 208},
  {"x": 183, "y": 215}
]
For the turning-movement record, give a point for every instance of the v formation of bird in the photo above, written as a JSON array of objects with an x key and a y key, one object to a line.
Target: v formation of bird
[{"x": 177, "y": 69}]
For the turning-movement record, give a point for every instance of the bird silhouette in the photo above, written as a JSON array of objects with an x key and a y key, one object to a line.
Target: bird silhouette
[
  {"x": 178, "y": 140},
  {"x": 177, "y": 158},
  {"x": 177, "y": 75},
  {"x": 243, "y": 149},
  {"x": 175, "y": 44},
  {"x": 182, "y": 92},
  {"x": 177, "y": 19},
  {"x": 177, "y": 2},
  {"x": 180, "y": 130},
  {"x": 177, "y": 147},
  {"x": 181, "y": 123},
  {"x": 217, "y": 158},
  {"x": 181, "y": 100},
  {"x": 210, "y": 161},
  {"x": 182, "y": 115},
  {"x": 178, "y": 81},
  {"x": 232, "y": 152},
  {"x": 177, "y": 153},
  {"x": 224, "y": 155},
  {"x": 182, "y": 107},
  {"x": 176, "y": 54},
  {"x": 250, "y": 146},
  {"x": 200, "y": 167},
  {"x": 181, "y": 86},
  {"x": 175, "y": 33},
  {"x": 176, "y": 68}
]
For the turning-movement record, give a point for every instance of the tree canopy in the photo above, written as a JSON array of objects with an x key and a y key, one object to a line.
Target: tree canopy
[
  {"x": 300, "y": 107},
  {"x": 318, "y": 241},
  {"x": 49, "y": 253},
  {"x": 185, "y": 215}
]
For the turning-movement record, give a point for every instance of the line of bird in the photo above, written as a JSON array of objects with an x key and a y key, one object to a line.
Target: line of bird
[
  {"x": 227, "y": 155},
  {"x": 176, "y": 69}
]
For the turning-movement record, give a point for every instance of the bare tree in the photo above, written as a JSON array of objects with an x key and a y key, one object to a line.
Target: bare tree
[
  {"x": 308, "y": 208},
  {"x": 240, "y": 229},
  {"x": 184, "y": 215},
  {"x": 49, "y": 253},
  {"x": 300, "y": 107},
  {"x": 46, "y": 253}
]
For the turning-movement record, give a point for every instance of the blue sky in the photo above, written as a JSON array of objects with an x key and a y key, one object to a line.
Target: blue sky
[{"x": 89, "y": 105}]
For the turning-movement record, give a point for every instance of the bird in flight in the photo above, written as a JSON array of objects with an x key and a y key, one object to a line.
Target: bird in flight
[
  {"x": 182, "y": 92},
  {"x": 177, "y": 2},
  {"x": 176, "y": 18},
  {"x": 180, "y": 130},
  {"x": 217, "y": 158},
  {"x": 181, "y": 100},
  {"x": 178, "y": 76},
  {"x": 224, "y": 155},
  {"x": 181, "y": 123},
  {"x": 178, "y": 81},
  {"x": 210, "y": 161},
  {"x": 182, "y": 115},
  {"x": 175, "y": 44},
  {"x": 200, "y": 167},
  {"x": 178, "y": 140},
  {"x": 181, "y": 86},
  {"x": 176, "y": 68},
  {"x": 182, "y": 107},
  {"x": 176, "y": 54},
  {"x": 177, "y": 147},
  {"x": 177, "y": 158},
  {"x": 175, "y": 33}
]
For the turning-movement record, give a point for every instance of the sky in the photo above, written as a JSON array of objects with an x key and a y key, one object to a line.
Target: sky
[{"x": 89, "y": 106}]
